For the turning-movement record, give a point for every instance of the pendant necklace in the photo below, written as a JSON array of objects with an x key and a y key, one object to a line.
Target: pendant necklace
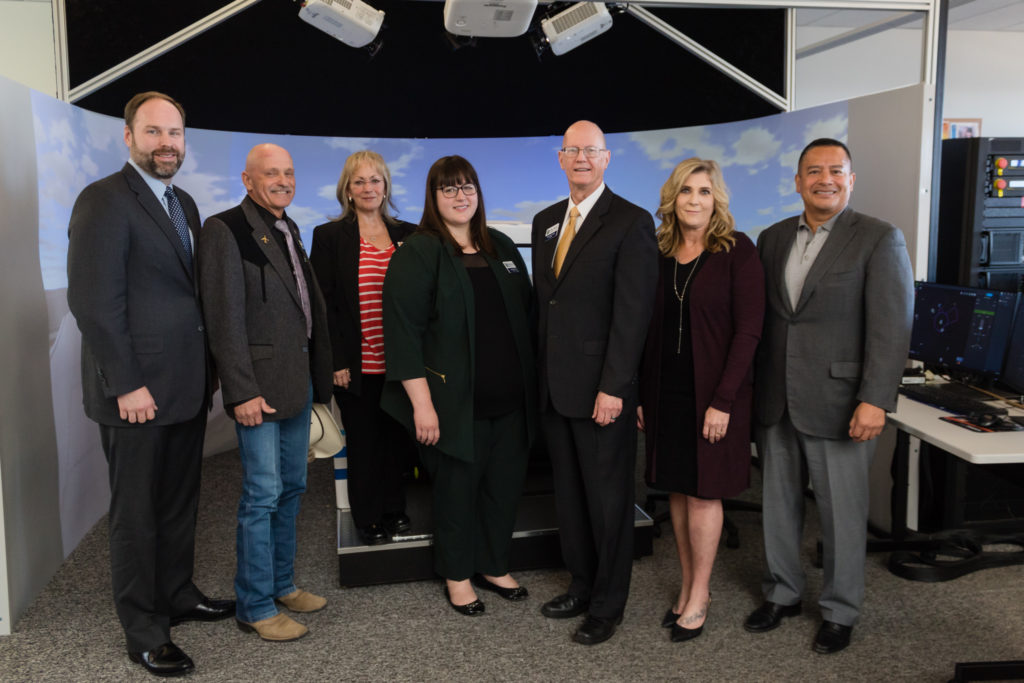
[{"x": 682, "y": 295}]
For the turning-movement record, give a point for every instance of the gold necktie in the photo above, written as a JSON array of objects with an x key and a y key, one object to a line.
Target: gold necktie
[{"x": 566, "y": 239}]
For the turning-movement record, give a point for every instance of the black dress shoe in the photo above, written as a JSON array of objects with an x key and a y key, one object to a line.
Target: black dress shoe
[
  {"x": 565, "y": 606},
  {"x": 208, "y": 609},
  {"x": 670, "y": 618},
  {"x": 595, "y": 630},
  {"x": 396, "y": 523},
  {"x": 374, "y": 534},
  {"x": 165, "y": 660},
  {"x": 769, "y": 616},
  {"x": 473, "y": 609},
  {"x": 832, "y": 637},
  {"x": 513, "y": 594}
]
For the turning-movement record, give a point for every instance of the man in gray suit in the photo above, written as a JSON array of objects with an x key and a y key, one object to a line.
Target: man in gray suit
[
  {"x": 837, "y": 329},
  {"x": 145, "y": 376},
  {"x": 268, "y": 335}
]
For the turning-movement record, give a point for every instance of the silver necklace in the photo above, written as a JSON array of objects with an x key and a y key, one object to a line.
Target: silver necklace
[{"x": 681, "y": 296}]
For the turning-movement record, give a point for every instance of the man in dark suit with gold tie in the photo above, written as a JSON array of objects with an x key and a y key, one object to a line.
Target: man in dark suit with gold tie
[
  {"x": 132, "y": 290},
  {"x": 595, "y": 270}
]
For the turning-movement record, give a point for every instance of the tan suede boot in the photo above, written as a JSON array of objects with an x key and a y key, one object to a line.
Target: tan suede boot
[
  {"x": 278, "y": 628},
  {"x": 303, "y": 601}
]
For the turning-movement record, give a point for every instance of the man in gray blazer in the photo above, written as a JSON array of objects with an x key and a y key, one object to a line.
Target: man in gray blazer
[
  {"x": 837, "y": 329},
  {"x": 145, "y": 376},
  {"x": 268, "y": 334}
]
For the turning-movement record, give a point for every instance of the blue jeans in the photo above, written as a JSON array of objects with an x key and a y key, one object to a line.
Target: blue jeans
[{"x": 274, "y": 478}]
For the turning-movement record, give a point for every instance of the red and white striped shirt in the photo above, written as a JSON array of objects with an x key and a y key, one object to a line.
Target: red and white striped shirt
[{"x": 373, "y": 263}]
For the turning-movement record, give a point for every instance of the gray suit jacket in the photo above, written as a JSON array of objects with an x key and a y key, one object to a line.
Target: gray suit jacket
[
  {"x": 846, "y": 340},
  {"x": 133, "y": 295},
  {"x": 257, "y": 328}
]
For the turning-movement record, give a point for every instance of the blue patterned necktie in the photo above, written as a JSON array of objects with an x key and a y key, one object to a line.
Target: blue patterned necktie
[{"x": 178, "y": 218}]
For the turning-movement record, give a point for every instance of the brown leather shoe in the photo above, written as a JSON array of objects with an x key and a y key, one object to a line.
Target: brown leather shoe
[
  {"x": 302, "y": 601},
  {"x": 278, "y": 628}
]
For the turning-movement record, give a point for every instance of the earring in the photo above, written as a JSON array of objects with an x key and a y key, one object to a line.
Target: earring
[{"x": 350, "y": 198}]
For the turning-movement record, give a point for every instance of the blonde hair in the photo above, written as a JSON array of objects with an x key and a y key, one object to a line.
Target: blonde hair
[
  {"x": 720, "y": 234},
  {"x": 349, "y": 169}
]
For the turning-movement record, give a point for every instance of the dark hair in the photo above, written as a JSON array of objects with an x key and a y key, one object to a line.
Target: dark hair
[
  {"x": 454, "y": 170},
  {"x": 134, "y": 103},
  {"x": 823, "y": 142}
]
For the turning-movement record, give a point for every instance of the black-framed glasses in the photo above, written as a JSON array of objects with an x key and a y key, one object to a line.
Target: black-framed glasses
[
  {"x": 591, "y": 151},
  {"x": 468, "y": 189}
]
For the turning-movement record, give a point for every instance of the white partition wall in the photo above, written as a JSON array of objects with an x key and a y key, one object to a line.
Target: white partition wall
[{"x": 30, "y": 543}]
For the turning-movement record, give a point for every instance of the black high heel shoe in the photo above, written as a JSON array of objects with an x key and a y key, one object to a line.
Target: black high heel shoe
[
  {"x": 670, "y": 618},
  {"x": 514, "y": 594},
  {"x": 473, "y": 609},
  {"x": 681, "y": 633}
]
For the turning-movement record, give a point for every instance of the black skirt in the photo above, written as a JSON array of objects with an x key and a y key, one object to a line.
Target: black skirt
[{"x": 675, "y": 463}]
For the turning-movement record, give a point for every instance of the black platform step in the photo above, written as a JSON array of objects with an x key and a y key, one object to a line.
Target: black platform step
[{"x": 409, "y": 557}]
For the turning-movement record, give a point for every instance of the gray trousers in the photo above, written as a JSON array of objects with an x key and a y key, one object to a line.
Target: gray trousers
[{"x": 838, "y": 470}]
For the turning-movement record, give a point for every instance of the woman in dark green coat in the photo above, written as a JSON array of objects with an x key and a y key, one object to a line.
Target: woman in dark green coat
[{"x": 460, "y": 376}]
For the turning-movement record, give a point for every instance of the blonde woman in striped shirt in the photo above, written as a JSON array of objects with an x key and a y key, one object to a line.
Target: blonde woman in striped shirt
[{"x": 350, "y": 256}]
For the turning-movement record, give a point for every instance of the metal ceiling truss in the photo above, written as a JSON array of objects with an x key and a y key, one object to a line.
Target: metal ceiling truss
[{"x": 639, "y": 10}]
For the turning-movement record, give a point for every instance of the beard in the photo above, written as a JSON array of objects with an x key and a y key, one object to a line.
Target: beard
[{"x": 163, "y": 170}]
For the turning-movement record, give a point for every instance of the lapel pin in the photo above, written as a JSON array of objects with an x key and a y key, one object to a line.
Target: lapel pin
[{"x": 264, "y": 239}]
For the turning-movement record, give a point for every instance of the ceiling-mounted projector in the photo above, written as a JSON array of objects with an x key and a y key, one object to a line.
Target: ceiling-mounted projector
[
  {"x": 578, "y": 24},
  {"x": 353, "y": 22},
  {"x": 488, "y": 19}
]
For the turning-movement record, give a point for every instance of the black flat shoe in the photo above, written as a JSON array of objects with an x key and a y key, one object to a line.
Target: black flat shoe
[
  {"x": 832, "y": 637},
  {"x": 165, "y": 660},
  {"x": 670, "y": 618},
  {"x": 374, "y": 534},
  {"x": 473, "y": 609},
  {"x": 514, "y": 594},
  {"x": 564, "y": 606},
  {"x": 396, "y": 523},
  {"x": 769, "y": 615},
  {"x": 208, "y": 609}
]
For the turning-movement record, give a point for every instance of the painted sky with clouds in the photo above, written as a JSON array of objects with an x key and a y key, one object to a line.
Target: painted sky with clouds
[{"x": 519, "y": 176}]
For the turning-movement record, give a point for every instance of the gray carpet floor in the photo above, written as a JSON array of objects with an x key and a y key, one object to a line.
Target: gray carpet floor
[{"x": 406, "y": 632}]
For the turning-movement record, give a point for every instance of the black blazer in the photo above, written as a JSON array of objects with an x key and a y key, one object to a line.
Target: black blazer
[
  {"x": 134, "y": 297},
  {"x": 335, "y": 259},
  {"x": 593, "y": 318}
]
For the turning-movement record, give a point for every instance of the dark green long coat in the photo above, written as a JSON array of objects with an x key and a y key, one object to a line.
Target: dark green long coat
[{"x": 429, "y": 323}]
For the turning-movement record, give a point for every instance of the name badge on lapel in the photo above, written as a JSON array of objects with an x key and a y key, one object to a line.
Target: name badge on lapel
[
  {"x": 551, "y": 232},
  {"x": 510, "y": 266}
]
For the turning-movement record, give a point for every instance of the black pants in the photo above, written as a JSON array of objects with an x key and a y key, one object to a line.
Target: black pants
[
  {"x": 377, "y": 449},
  {"x": 475, "y": 502},
  {"x": 154, "y": 496},
  {"x": 593, "y": 470}
]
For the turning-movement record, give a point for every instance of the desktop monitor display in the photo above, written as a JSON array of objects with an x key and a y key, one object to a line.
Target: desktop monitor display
[
  {"x": 1013, "y": 373},
  {"x": 961, "y": 330}
]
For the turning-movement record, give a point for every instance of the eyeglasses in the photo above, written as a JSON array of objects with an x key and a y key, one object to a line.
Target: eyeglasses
[
  {"x": 374, "y": 182},
  {"x": 468, "y": 189},
  {"x": 591, "y": 151}
]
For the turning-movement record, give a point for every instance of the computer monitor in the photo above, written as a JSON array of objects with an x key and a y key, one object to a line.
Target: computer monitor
[
  {"x": 962, "y": 331},
  {"x": 1013, "y": 372}
]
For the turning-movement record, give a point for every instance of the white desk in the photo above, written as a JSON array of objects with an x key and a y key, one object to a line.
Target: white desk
[
  {"x": 917, "y": 423},
  {"x": 922, "y": 421}
]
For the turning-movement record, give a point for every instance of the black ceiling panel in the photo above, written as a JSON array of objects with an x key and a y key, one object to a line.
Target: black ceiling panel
[{"x": 265, "y": 70}]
